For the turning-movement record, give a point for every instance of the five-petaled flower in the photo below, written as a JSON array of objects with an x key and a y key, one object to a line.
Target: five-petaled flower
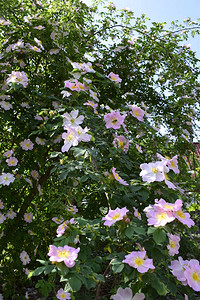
[
  {"x": 62, "y": 295},
  {"x": 26, "y": 145},
  {"x": 138, "y": 260},
  {"x": 115, "y": 215},
  {"x": 66, "y": 254},
  {"x": 114, "y": 120}
]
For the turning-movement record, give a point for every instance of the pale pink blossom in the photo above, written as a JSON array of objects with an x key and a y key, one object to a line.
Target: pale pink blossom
[
  {"x": 62, "y": 227},
  {"x": 72, "y": 208},
  {"x": 114, "y": 77},
  {"x": 40, "y": 141},
  {"x": 6, "y": 105},
  {"x": 76, "y": 240},
  {"x": 153, "y": 171},
  {"x": 1, "y": 205},
  {"x": 192, "y": 274},
  {"x": 94, "y": 95},
  {"x": 12, "y": 161},
  {"x": 35, "y": 48},
  {"x": 66, "y": 254},
  {"x": 127, "y": 294},
  {"x": 8, "y": 153},
  {"x": 114, "y": 120},
  {"x": 139, "y": 148},
  {"x": 114, "y": 216},
  {"x": 28, "y": 217},
  {"x": 83, "y": 135},
  {"x": 184, "y": 218},
  {"x": 2, "y": 218},
  {"x": 34, "y": 174},
  {"x": 40, "y": 27},
  {"x": 58, "y": 220},
  {"x": 29, "y": 181},
  {"x": 173, "y": 245},
  {"x": 167, "y": 206},
  {"x": 137, "y": 112},
  {"x": 70, "y": 139},
  {"x": 118, "y": 178},
  {"x": 25, "y": 104},
  {"x": 11, "y": 214},
  {"x": 18, "y": 77},
  {"x": 6, "y": 178},
  {"x": 159, "y": 217},
  {"x": 121, "y": 142},
  {"x": 92, "y": 104},
  {"x": 24, "y": 257},
  {"x": 137, "y": 214},
  {"x": 72, "y": 85},
  {"x": 62, "y": 295},
  {"x": 26, "y": 145},
  {"x": 72, "y": 119},
  {"x": 178, "y": 268},
  {"x": 138, "y": 260},
  {"x": 54, "y": 51}
]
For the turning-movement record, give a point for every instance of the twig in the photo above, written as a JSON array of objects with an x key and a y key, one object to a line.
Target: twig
[{"x": 100, "y": 284}]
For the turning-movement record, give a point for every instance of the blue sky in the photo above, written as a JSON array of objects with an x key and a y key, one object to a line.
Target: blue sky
[{"x": 164, "y": 11}]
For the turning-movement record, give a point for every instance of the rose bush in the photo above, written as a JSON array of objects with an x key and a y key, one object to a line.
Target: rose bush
[{"x": 98, "y": 114}]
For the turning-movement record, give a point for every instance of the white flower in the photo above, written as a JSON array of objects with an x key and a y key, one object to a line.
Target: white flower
[
  {"x": 11, "y": 214},
  {"x": 24, "y": 257},
  {"x": 72, "y": 120},
  {"x": 6, "y": 178}
]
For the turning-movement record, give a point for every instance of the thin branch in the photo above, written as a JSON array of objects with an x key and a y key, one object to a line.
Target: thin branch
[{"x": 100, "y": 284}]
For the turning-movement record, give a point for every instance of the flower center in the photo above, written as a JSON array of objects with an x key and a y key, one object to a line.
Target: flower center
[
  {"x": 114, "y": 121},
  {"x": 121, "y": 144},
  {"x": 196, "y": 276},
  {"x": 5, "y": 178},
  {"x": 162, "y": 216},
  {"x": 139, "y": 261},
  {"x": 172, "y": 164},
  {"x": 181, "y": 214},
  {"x": 70, "y": 137},
  {"x": 116, "y": 216},
  {"x": 136, "y": 113},
  {"x": 172, "y": 244},
  {"x": 63, "y": 253},
  {"x": 155, "y": 170}
]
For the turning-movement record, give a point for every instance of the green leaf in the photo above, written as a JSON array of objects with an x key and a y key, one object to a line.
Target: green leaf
[
  {"x": 159, "y": 236},
  {"x": 37, "y": 271},
  {"x": 84, "y": 178},
  {"x": 129, "y": 232},
  {"x": 49, "y": 269},
  {"x": 99, "y": 277},
  {"x": 159, "y": 286},
  {"x": 151, "y": 230},
  {"x": 139, "y": 230},
  {"x": 117, "y": 266},
  {"x": 43, "y": 262},
  {"x": 75, "y": 283}
]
